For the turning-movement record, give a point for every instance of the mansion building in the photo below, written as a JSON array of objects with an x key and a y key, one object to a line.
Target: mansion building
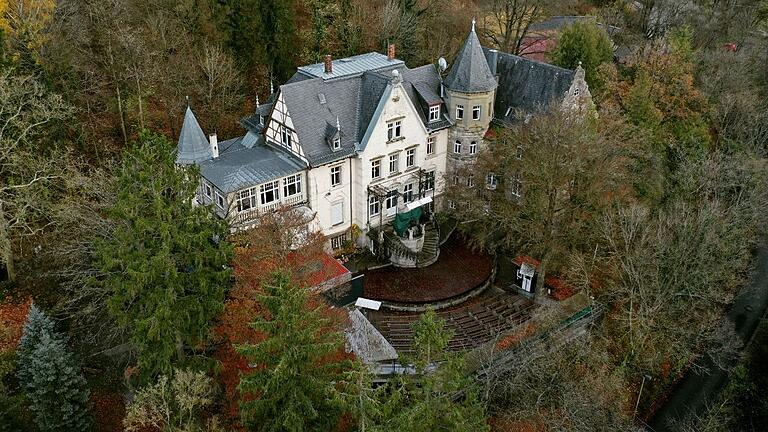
[{"x": 360, "y": 140}]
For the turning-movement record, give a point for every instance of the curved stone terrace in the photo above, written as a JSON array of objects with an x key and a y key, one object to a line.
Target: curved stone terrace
[{"x": 457, "y": 271}]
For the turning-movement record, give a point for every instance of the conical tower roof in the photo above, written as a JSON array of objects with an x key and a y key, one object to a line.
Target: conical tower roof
[
  {"x": 193, "y": 145},
  {"x": 470, "y": 72}
]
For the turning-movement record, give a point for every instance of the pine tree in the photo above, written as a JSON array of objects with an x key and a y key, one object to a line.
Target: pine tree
[
  {"x": 51, "y": 378},
  {"x": 165, "y": 264},
  {"x": 292, "y": 387},
  {"x": 440, "y": 395}
]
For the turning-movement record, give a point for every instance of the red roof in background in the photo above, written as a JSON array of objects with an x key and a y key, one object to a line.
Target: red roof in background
[
  {"x": 316, "y": 269},
  {"x": 490, "y": 134},
  {"x": 520, "y": 259}
]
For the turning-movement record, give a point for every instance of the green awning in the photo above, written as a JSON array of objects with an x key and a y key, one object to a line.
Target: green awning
[{"x": 406, "y": 219}]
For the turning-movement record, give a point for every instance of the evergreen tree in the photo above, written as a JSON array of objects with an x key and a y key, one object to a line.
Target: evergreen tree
[
  {"x": 587, "y": 44},
  {"x": 440, "y": 395},
  {"x": 273, "y": 22},
  {"x": 165, "y": 263},
  {"x": 54, "y": 385},
  {"x": 293, "y": 385}
]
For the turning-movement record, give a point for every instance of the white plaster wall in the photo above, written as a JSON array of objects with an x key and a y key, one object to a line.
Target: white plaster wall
[
  {"x": 322, "y": 195},
  {"x": 398, "y": 106}
]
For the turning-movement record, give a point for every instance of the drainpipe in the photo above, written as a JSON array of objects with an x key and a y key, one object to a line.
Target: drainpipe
[{"x": 350, "y": 194}]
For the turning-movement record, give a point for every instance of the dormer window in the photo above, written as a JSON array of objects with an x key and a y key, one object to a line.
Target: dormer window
[
  {"x": 336, "y": 143},
  {"x": 434, "y": 113},
  {"x": 394, "y": 130}
]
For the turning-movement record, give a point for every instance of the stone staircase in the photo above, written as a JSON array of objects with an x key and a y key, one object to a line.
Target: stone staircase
[{"x": 431, "y": 249}]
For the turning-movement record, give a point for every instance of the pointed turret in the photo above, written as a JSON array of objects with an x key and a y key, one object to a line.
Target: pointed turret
[
  {"x": 470, "y": 72},
  {"x": 193, "y": 145}
]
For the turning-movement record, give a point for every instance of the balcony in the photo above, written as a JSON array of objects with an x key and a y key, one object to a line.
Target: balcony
[{"x": 243, "y": 218}]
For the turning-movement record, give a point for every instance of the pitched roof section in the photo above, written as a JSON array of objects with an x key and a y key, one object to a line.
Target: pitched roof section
[
  {"x": 193, "y": 145},
  {"x": 352, "y": 98},
  {"x": 350, "y": 66},
  {"x": 366, "y": 342},
  {"x": 526, "y": 85},
  {"x": 239, "y": 166},
  {"x": 469, "y": 72}
]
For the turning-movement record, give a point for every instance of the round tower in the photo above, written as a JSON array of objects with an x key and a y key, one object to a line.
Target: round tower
[{"x": 470, "y": 93}]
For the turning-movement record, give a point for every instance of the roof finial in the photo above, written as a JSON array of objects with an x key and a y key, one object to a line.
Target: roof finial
[
  {"x": 473, "y": 24},
  {"x": 338, "y": 126},
  {"x": 187, "y": 101},
  {"x": 271, "y": 87},
  {"x": 257, "y": 100}
]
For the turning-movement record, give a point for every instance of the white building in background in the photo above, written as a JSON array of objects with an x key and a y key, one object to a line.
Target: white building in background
[{"x": 359, "y": 140}]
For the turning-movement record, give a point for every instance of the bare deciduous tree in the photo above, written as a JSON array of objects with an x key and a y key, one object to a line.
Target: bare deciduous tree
[{"x": 29, "y": 165}]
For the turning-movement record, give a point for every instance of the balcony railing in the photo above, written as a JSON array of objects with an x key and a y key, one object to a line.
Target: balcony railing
[{"x": 245, "y": 216}]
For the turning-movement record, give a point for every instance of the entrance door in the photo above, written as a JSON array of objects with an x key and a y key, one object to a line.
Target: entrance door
[{"x": 527, "y": 283}]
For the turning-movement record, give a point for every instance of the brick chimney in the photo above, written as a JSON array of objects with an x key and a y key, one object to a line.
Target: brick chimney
[
  {"x": 391, "y": 52},
  {"x": 328, "y": 64}
]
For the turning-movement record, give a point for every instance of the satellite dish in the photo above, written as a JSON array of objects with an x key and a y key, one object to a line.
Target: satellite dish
[{"x": 442, "y": 63}]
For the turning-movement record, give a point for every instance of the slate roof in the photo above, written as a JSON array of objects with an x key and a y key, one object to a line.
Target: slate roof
[
  {"x": 469, "y": 72},
  {"x": 193, "y": 145},
  {"x": 238, "y": 166},
  {"x": 526, "y": 85},
  {"x": 352, "y": 96},
  {"x": 366, "y": 342}
]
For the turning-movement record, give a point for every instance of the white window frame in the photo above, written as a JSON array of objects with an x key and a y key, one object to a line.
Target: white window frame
[
  {"x": 394, "y": 130},
  {"x": 374, "y": 206},
  {"x": 207, "y": 190},
  {"x": 335, "y": 175},
  {"x": 285, "y": 137},
  {"x": 274, "y": 187},
  {"x": 519, "y": 153},
  {"x": 336, "y": 143},
  {"x": 516, "y": 186},
  {"x": 219, "y": 201},
  {"x": 429, "y": 182},
  {"x": 491, "y": 181},
  {"x": 410, "y": 157},
  {"x": 334, "y": 206},
  {"x": 451, "y": 205},
  {"x": 457, "y": 147},
  {"x": 408, "y": 195},
  {"x": 430, "y": 145},
  {"x": 394, "y": 163},
  {"x": 337, "y": 242},
  {"x": 473, "y": 147},
  {"x": 376, "y": 168},
  {"x": 245, "y": 199},
  {"x": 471, "y": 180},
  {"x": 459, "y": 112},
  {"x": 434, "y": 113},
  {"x": 391, "y": 202},
  {"x": 294, "y": 180},
  {"x": 476, "y": 112}
]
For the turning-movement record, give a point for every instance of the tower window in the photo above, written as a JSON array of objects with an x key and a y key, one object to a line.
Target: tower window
[
  {"x": 457, "y": 147},
  {"x": 459, "y": 112},
  {"x": 473, "y": 147},
  {"x": 476, "y": 112}
]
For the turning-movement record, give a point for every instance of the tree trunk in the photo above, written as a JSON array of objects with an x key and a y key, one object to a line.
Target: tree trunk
[{"x": 6, "y": 247}]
